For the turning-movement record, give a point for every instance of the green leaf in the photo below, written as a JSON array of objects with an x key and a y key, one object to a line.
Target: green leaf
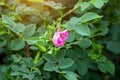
[
  {"x": 12, "y": 28},
  {"x": 17, "y": 44},
  {"x": 29, "y": 30},
  {"x": 28, "y": 62},
  {"x": 84, "y": 5},
  {"x": 71, "y": 37},
  {"x": 16, "y": 58},
  {"x": 107, "y": 66},
  {"x": 70, "y": 75},
  {"x": 72, "y": 68},
  {"x": 40, "y": 31},
  {"x": 82, "y": 67},
  {"x": 105, "y": 30},
  {"x": 83, "y": 30},
  {"x": 39, "y": 62},
  {"x": 97, "y": 3},
  {"x": 60, "y": 55},
  {"x": 3, "y": 43},
  {"x": 32, "y": 40},
  {"x": 54, "y": 5},
  {"x": 15, "y": 68},
  {"x": 20, "y": 27},
  {"x": 29, "y": 76},
  {"x": 110, "y": 67},
  {"x": 8, "y": 20},
  {"x": 102, "y": 59},
  {"x": 16, "y": 27},
  {"x": 49, "y": 57},
  {"x": 115, "y": 32},
  {"x": 47, "y": 75},
  {"x": 102, "y": 67},
  {"x": 75, "y": 20},
  {"x": 76, "y": 53},
  {"x": 65, "y": 63},
  {"x": 113, "y": 46},
  {"x": 33, "y": 48},
  {"x": 89, "y": 16},
  {"x": 16, "y": 73},
  {"x": 49, "y": 66},
  {"x": 85, "y": 43},
  {"x": 23, "y": 69},
  {"x": 29, "y": 10},
  {"x": 92, "y": 64},
  {"x": 72, "y": 54},
  {"x": 70, "y": 26}
]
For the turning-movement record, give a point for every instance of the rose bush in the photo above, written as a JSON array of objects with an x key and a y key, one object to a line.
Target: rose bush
[{"x": 59, "y": 40}]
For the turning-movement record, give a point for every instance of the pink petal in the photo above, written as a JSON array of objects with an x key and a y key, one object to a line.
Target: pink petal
[
  {"x": 65, "y": 33},
  {"x": 59, "y": 38}
]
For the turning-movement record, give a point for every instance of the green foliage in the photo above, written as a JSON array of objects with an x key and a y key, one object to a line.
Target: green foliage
[
  {"x": 70, "y": 75},
  {"x": 85, "y": 43},
  {"x": 91, "y": 51},
  {"x": 106, "y": 65},
  {"x": 65, "y": 63},
  {"x": 83, "y": 30},
  {"x": 17, "y": 44},
  {"x": 7, "y": 20},
  {"x": 82, "y": 67},
  {"x": 83, "y": 5},
  {"x": 98, "y": 3},
  {"x": 29, "y": 30},
  {"x": 113, "y": 46},
  {"x": 88, "y": 17}
]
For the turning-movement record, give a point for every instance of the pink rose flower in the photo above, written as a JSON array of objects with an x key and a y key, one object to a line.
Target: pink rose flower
[{"x": 60, "y": 37}]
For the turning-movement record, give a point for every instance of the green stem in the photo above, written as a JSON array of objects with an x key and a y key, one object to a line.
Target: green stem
[
  {"x": 59, "y": 11},
  {"x": 21, "y": 36},
  {"x": 13, "y": 6},
  {"x": 67, "y": 13},
  {"x": 70, "y": 11},
  {"x": 41, "y": 47},
  {"x": 37, "y": 57}
]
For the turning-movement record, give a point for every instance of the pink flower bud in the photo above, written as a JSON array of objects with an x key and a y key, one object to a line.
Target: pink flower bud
[{"x": 59, "y": 38}]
